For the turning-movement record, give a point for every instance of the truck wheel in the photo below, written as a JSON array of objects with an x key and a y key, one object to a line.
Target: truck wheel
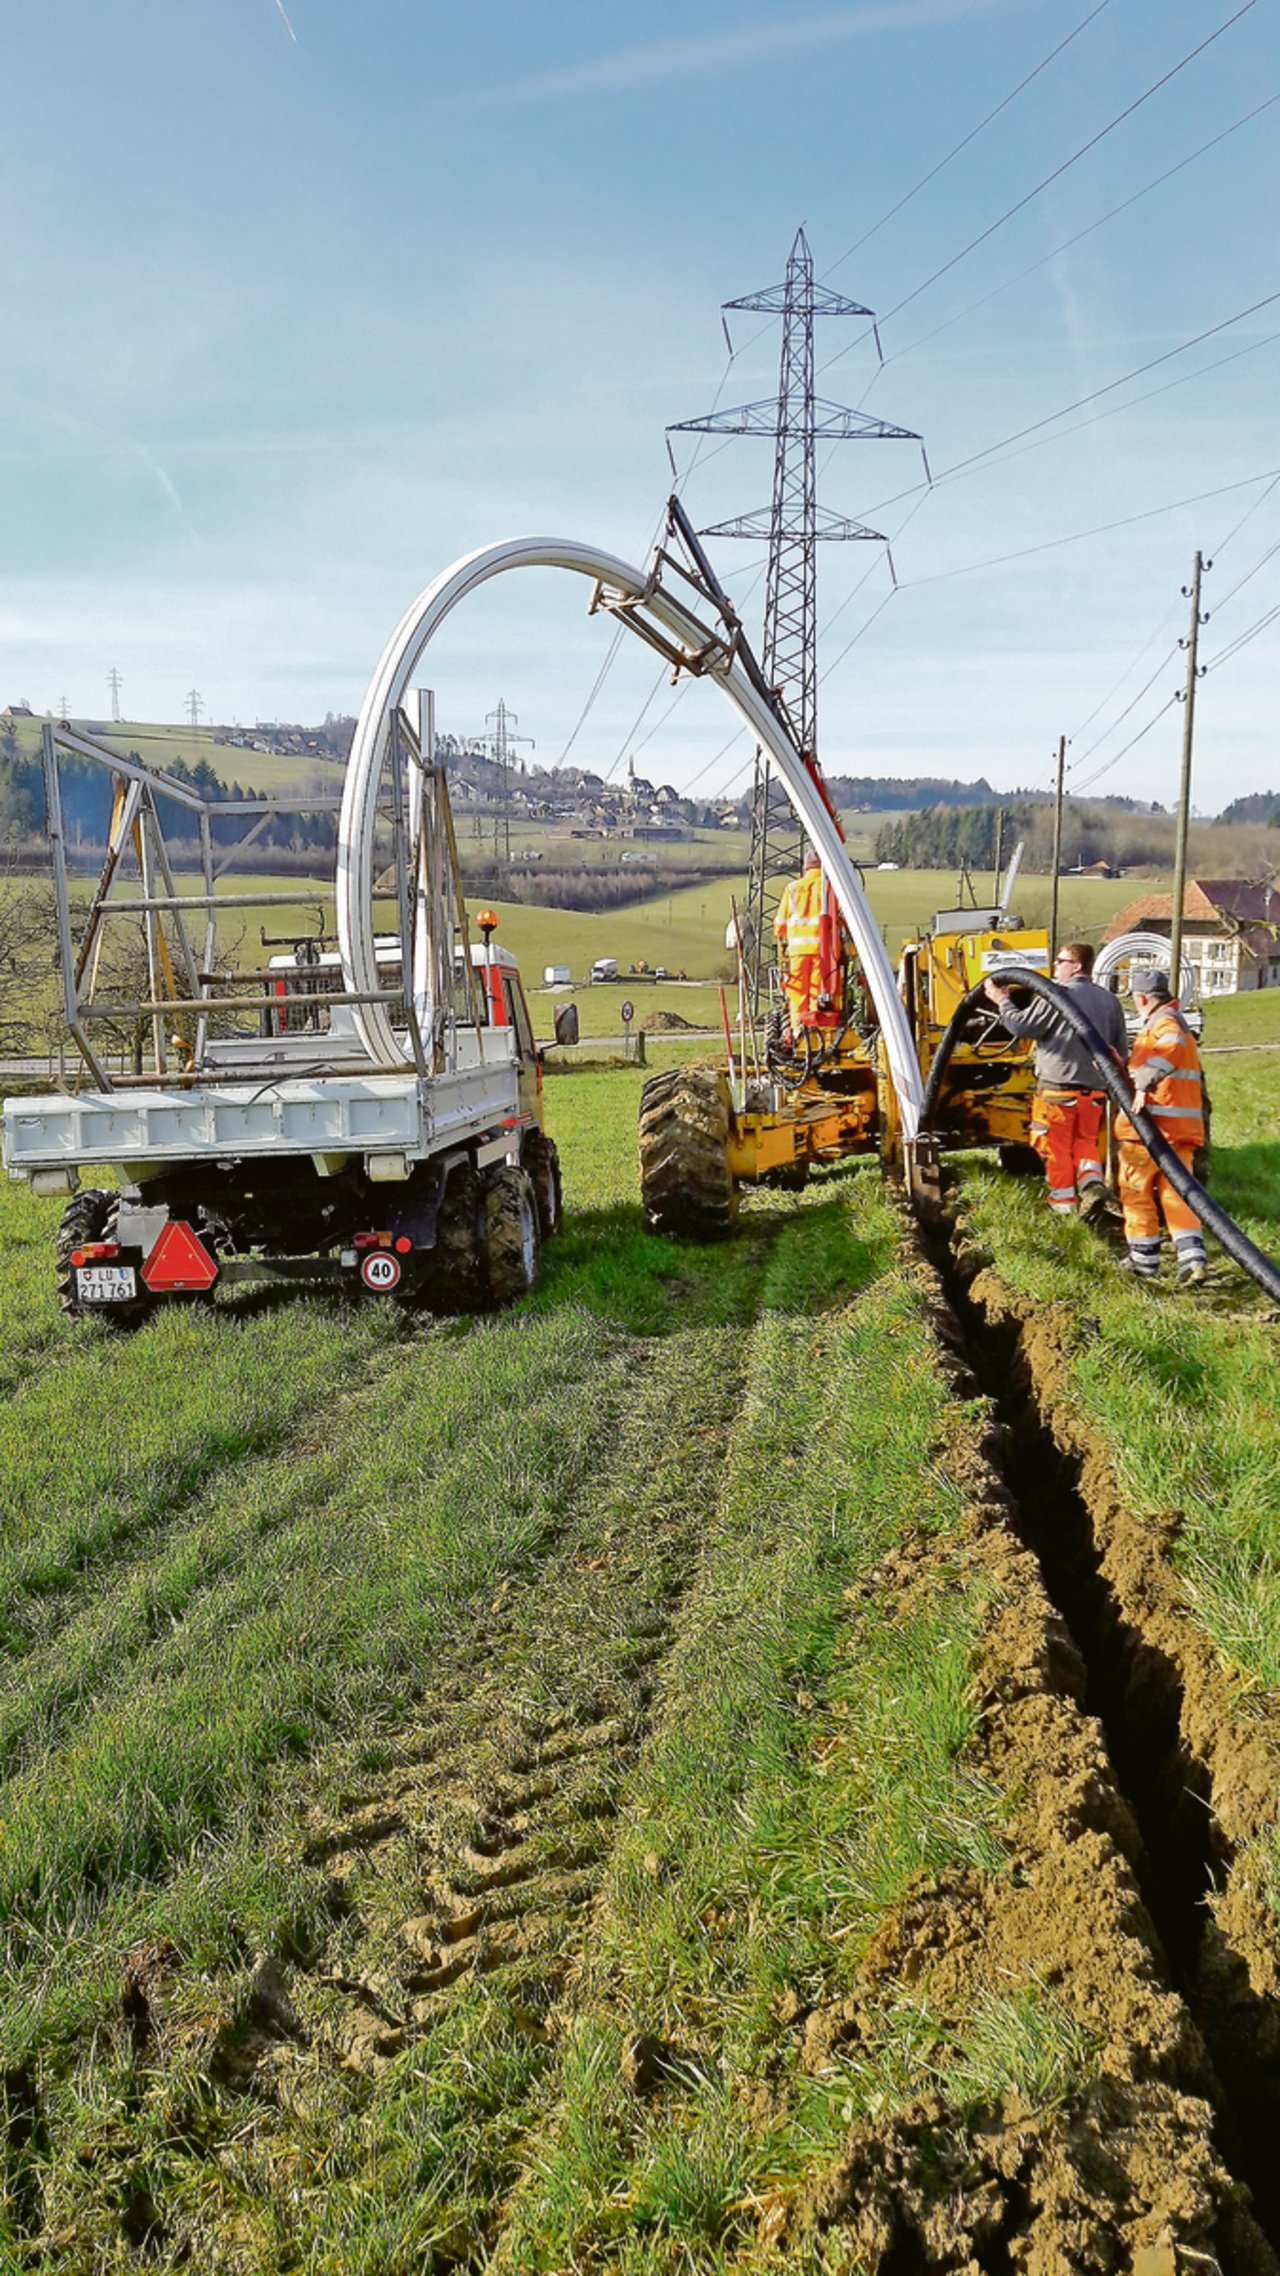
[
  {"x": 454, "y": 1281},
  {"x": 542, "y": 1162},
  {"x": 91, "y": 1216},
  {"x": 685, "y": 1121},
  {"x": 511, "y": 1236}
]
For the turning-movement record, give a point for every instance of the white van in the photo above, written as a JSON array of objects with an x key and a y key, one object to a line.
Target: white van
[{"x": 605, "y": 968}]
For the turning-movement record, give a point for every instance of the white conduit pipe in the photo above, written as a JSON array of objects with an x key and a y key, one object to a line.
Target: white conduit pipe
[{"x": 357, "y": 820}]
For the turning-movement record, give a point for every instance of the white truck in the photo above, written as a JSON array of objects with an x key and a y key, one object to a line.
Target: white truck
[
  {"x": 253, "y": 1132},
  {"x": 605, "y": 968}
]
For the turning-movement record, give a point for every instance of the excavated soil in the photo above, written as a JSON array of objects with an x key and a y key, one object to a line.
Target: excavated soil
[
  {"x": 478, "y": 1847},
  {"x": 1206, "y": 1753},
  {"x": 1135, "y": 2171}
]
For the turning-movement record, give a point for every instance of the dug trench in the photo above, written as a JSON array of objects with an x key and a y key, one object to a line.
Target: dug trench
[{"x": 1199, "y": 1768}]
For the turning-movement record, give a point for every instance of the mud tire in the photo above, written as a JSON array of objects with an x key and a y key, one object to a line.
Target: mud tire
[
  {"x": 455, "y": 1281},
  {"x": 91, "y": 1216},
  {"x": 685, "y": 1182},
  {"x": 511, "y": 1237},
  {"x": 542, "y": 1162}
]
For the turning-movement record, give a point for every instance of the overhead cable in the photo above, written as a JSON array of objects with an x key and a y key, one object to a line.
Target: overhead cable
[
  {"x": 1065, "y": 247},
  {"x": 1077, "y": 537},
  {"x": 1116, "y": 757},
  {"x": 972, "y": 136},
  {"x": 1073, "y": 160}
]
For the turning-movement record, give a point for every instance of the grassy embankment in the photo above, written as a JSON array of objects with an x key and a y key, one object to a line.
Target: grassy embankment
[
  {"x": 1180, "y": 1389},
  {"x": 263, "y": 1561}
]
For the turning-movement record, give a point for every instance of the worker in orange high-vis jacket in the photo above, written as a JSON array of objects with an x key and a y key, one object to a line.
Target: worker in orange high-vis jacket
[
  {"x": 810, "y": 946},
  {"x": 1067, "y": 1110},
  {"x": 1164, "y": 1067}
]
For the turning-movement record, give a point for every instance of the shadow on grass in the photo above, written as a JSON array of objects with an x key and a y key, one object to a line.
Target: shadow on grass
[
  {"x": 795, "y": 1259},
  {"x": 1245, "y": 1180}
]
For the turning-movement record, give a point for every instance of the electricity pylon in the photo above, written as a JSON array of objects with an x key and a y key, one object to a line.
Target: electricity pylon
[
  {"x": 500, "y": 751},
  {"x": 793, "y": 525}
]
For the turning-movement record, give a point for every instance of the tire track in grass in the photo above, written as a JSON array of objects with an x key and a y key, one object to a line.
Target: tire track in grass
[
  {"x": 477, "y": 1841},
  {"x": 112, "y": 1446},
  {"x": 463, "y": 1871}
]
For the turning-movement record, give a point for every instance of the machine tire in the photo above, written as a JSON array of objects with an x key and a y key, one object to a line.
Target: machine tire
[
  {"x": 685, "y": 1121},
  {"x": 542, "y": 1161},
  {"x": 91, "y": 1216},
  {"x": 455, "y": 1281},
  {"x": 511, "y": 1235}
]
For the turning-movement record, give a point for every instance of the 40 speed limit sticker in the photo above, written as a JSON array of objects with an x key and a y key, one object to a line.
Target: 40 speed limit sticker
[{"x": 380, "y": 1271}]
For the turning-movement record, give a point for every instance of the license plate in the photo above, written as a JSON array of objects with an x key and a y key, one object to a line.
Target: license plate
[{"x": 106, "y": 1284}]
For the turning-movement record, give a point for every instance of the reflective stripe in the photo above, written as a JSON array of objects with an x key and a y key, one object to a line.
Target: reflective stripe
[{"x": 1175, "y": 1113}]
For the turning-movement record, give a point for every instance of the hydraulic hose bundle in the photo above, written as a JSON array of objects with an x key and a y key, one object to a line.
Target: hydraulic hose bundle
[{"x": 1260, "y": 1267}]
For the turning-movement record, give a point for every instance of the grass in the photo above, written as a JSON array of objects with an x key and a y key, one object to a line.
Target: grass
[
  {"x": 808, "y": 1768},
  {"x": 250, "y": 1548},
  {"x": 613, "y": 1562},
  {"x": 1180, "y": 1392}
]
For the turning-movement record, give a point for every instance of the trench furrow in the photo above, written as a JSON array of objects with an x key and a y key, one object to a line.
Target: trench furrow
[{"x": 1136, "y": 1686}]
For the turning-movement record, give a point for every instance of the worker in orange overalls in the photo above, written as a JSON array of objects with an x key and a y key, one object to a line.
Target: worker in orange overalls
[
  {"x": 810, "y": 947},
  {"x": 1165, "y": 1069}
]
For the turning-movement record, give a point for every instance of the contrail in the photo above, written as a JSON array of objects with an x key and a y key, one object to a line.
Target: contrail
[{"x": 287, "y": 25}]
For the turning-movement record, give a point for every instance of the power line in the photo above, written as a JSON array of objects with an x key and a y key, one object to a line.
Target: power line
[
  {"x": 1243, "y": 639},
  {"x": 1102, "y": 529},
  {"x": 1073, "y": 160},
  {"x": 1096, "y": 393},
  {"x": 1132, "y": 705},
  {"x": 1114, "y": 761},
  {"x": 972, "y": 136},
  {"x": 1081, "y": 234}
]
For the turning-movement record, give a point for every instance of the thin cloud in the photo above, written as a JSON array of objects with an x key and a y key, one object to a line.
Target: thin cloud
[{"x": 633, "y": 67}]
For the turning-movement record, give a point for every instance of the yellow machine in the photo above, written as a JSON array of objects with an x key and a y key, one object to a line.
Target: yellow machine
[{"x": 781, "y": 1104}]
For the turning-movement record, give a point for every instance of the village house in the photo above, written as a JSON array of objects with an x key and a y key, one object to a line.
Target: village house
[{"x": 1230, "y": 931}]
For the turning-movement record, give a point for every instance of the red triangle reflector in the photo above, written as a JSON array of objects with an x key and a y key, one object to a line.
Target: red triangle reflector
[{"x": 179, "y": 1260}]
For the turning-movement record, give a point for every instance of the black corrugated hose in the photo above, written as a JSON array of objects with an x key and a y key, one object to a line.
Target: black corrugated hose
[{"x": 1114, "y": 1082}]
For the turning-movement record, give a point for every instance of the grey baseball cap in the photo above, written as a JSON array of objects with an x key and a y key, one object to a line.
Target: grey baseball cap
[{"x": 1145, "y": 980}]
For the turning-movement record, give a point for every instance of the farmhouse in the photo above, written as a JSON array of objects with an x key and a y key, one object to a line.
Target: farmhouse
[{"x": 1231, "y": 931}]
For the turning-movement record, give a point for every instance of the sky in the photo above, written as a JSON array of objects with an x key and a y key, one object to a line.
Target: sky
[{"x": 304, "y": 299}]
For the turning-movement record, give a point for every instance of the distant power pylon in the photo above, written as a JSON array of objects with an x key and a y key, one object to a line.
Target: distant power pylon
[
  {"x": 64, "y": 711},
  {"x": 793, "y": 525},
  {"x": 500, "y": 751},
  {"x": 114, "y": 683},
  {"x": 195, "y": 705}
]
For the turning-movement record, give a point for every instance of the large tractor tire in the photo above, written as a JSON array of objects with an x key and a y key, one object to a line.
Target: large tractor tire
[
  {"x": 455, "y": 1281},
  {"x": 542, "y": 1162},
  {"x": 685, "y": 1121},
  {"x": 511, "y": 1235},
  {"x": 91, "y": 1216}
]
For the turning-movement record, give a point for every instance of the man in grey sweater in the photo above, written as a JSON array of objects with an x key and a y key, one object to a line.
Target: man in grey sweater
[{"x": 1066, "y": 1112}]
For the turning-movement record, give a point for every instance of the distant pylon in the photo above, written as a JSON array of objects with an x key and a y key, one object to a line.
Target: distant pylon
[
  {"x": 500, "y": 750},
  {"x": 793, "y": 525},
  {"x": 195, "y": 705},
  {"x": 113, "y": 682}
]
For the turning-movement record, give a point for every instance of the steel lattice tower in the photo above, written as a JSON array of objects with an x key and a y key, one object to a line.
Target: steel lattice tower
[{"x": 793, "y": 524}]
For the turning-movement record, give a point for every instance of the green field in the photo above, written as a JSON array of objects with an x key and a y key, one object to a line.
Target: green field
[{"x": 604, "y": 1787}]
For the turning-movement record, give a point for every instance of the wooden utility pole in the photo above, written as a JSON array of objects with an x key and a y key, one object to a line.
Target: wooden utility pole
[
  {"x": 1057, "y": 848},
  {"x": 1191, "y": 644},
  {"x": 999, "y": 849}
]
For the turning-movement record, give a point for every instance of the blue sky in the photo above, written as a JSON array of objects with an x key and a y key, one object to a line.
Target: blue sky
[{"x": 299, "y": 308}]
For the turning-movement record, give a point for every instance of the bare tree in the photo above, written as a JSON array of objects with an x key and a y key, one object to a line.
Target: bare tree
[{"x": 28, "y": 957}]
